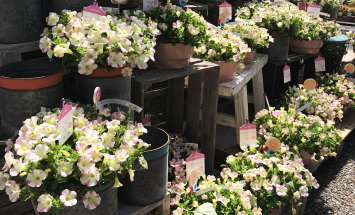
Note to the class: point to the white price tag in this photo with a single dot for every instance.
(149, 4)
(247, 135)
(314, 10)
(287, 74)
(319, 63)
(195, 164)
(65, 123)
(225, 13)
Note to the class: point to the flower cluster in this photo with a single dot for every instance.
(329, 5)
(58, 175)
(276, 181)
(256, 37)
(84, 43)
(351, 35)
(326, 106)
(306, 27)
(178, 26)
(300, 132)
(222, 45)
(339, 86)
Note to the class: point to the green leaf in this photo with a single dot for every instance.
(205, 209)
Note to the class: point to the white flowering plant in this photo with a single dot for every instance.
(222, 45)
(178, 26)
(300, 132)
(277, 181)
(351, 35)
(55, 176)
(327, 106)
(83, 43)
(256, 37)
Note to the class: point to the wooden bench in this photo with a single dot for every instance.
(163, 207)
(237, 90)
(10, 53)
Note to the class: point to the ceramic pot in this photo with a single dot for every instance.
(227, 70)
(249, 57)
(306, 47)
(306, 157)
(169, 56)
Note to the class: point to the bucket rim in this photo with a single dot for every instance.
(164, 145)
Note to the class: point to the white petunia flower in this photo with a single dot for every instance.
(68, 198)
(91, 200)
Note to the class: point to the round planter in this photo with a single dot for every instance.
(20, 21)
(112, 84)
(227, 70)
(149, 186)
(169, 56)
(334, 12)
(306, 47)
(278, 50)
(306, 157)
(57, 6)
(25, 87)
(249, 57)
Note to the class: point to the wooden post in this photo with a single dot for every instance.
(241, 110)
(258, 92)
(137, 97)
(164, 209)
(176, 104)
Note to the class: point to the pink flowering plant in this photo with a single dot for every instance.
(83, 43)
(178, 25)
(55, 175)
(326, 106)
(277, 181)
(299, 131)
(226, 195)
(222, 45)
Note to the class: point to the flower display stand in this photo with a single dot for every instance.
(10, 53)
(163, 207)
(199, 73)
(17, 208)
(237, 90)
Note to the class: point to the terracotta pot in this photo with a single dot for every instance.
(105, 73)
(306, 47)
(169, 56)
(306, 157)
(227, 70)
(249, 57)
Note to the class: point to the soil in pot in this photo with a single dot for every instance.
(306, 47)
(25, 87)
(169, 56)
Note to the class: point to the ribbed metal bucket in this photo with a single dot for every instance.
(59, 5)
(278, 50)
(20, 21)
(149, 186)
(25, 87)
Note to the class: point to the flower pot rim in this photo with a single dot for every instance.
(105, 73)
(30, 83)
(172, 44)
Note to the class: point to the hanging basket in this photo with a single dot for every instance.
(306, 47)
(249, 57)
(227, 70)
(169, 56)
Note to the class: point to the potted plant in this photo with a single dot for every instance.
(351, 35)
(180, 32)
(224, 49)
(277, 181)
(308, 33)
(57, 174)
(101, 50)
(256, 37)
(331, 7)
(303, 134)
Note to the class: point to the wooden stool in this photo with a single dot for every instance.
(237, 90)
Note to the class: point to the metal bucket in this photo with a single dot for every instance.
(25, 87)
(59, 5)
(278, 50)
(149, 186)
(20, 21)
(118, 87)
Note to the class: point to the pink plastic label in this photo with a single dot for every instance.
(94, 9)
(225, 4)
(247, 126)
(195, 156)
(314, 5)
(66, 109)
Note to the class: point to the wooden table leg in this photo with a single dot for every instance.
(164, 209)
(176, 104)
(241, 109)
(258, 92)
(193, 107)
(209, 113)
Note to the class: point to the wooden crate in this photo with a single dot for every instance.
(10, 53)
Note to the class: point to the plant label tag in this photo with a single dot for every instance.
(310, 84)
(287, 74)
(314, 10)
(304, 107)
(225, 13)
(319, 63)
(247, 135)
(149, 4)
(273, 144)
(267, 102)
(349, 69)
(195, 166)
(93, 11)
(65, 123)
(298, 90)
(302, 6)
(351, 79)
(119, 102)
(97, 95)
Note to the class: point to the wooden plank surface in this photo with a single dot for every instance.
(241, 110)
(196, 6)
(258, 92)
(20, 47)
(225, 120)
(176, 105)
(233, 87)
(141, 210)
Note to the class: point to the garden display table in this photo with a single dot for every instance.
(163, 207)
(10, 53)
(237, 90)
(199, 74)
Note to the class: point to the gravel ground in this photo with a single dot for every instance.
(336, 194)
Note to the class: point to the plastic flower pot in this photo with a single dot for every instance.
(25, 87)
(249, 57)
(150, 185)
(278, 50)
(227, 70)
(169, 56)
(112, 84)
(306, 47)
